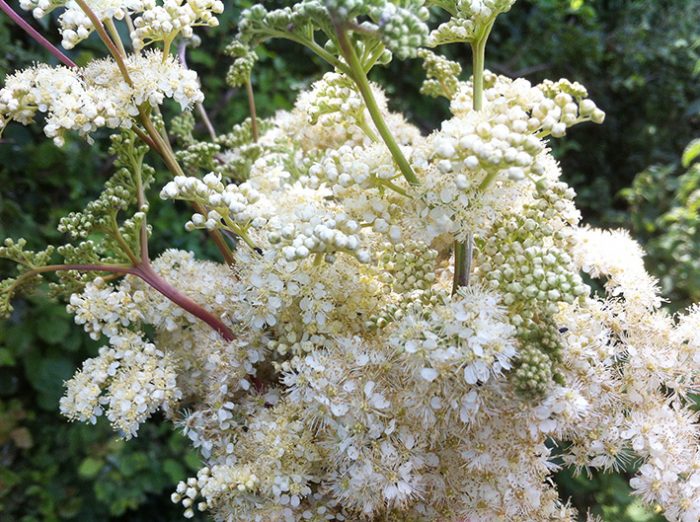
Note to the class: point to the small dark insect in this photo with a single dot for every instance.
(563, 330)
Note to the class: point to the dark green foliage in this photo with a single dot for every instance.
(606, 495)
(665, 200)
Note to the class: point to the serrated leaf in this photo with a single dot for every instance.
(691, 152)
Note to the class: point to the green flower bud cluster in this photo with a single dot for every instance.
(529, 272)
(257, 24)
(99, 219)
(526, 259)
(182, 127)
(239, 150)
(533, 376)
(8, 288)
(128, 150)
(83, 252)
(199, 156)
(470, 19)
(100, 215)
(400, 26)
(442, 75)
(403, 29)
(242, 67)
(418, 303)
(16, 252)
(409, 266)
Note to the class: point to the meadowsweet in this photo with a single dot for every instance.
(336, 366)
(95, 96)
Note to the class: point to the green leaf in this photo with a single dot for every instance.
(53, 328)
(691, 152)
(174, 470)
(47, 374)
(193, 460)
(90, 467)
(6, 357)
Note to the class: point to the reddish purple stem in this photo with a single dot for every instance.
(155, 281)
(145, 272)
(36, 34)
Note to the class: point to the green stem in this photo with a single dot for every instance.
(464, 249)
(372, 57)
(362, 123)
(478, 62)
(117, 235)
(240, 232)
(251, 108)
(311, 44)
(109, 23)
(392, 186)
(168, 156)
(360, 78)
(141, 203)
(113, 50)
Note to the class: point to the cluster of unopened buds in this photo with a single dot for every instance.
(320, 236)
(230, 202)
(158, 23)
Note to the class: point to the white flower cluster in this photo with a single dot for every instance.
(75, 25)
(547, 108)
(469, 333)
(480, 155)
(364, 390)
(357, 383)
(317, 234)
(470, 18)
(127, 381)
(96, 96)
(336, 102)
(163, 23)
(153, 22)
(401, 386)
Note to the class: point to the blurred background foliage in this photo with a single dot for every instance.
(640, 60)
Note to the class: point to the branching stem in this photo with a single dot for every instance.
(145, 272)
(111, 47)
(464, 249)
(140, 268)
(357, 73)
